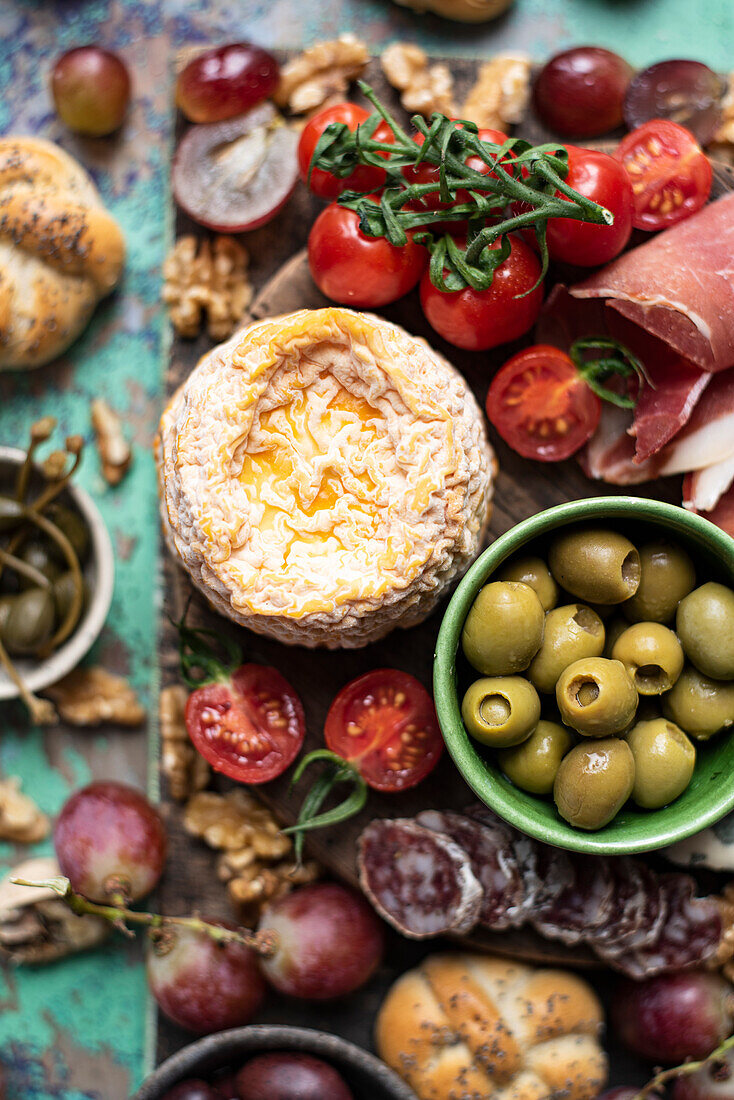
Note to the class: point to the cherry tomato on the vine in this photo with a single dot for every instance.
(541, 406)
(481, 319)
(250, 725)
(429, 173)
(356, 270)
(384, 723)
(669, 172)
(601, 178)
(322, 183)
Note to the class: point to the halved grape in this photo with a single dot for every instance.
(579, 93)
(715, 1081)
(236, 175)
(687, 92)
(226, 81)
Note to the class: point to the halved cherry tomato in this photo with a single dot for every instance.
(327, 186)
(250, 725)
(481, 319)
(669, 171)
(356, 270)
(541, 406)
(384, 723)
(601, 178)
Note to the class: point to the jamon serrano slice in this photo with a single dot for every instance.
(420, 881)
(610, 453)
(723, 514)
(703, 489)
(679, 286)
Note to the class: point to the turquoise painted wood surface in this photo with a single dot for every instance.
(77, 1029)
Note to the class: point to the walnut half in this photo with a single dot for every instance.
(94, 697)
(321, 72)
(500, 96)
(114, 450)
(207, 278)
(185, 769)
(423, 88)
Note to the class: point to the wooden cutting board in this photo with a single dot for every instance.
(280, 270)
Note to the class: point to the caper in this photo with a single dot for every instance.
(41, 556)
(501, 710)
(30, 622)
(63, 590)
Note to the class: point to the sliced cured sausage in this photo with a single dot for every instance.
(581, 906)
(493, 862)
(643, 909)
(419, 880)
(688, 937)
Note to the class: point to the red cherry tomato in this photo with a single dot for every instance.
(249, 726)
(327, 186)
(597, 176)
(669, 172)
(541, 406)
(356, 270)
(481, 319)
(429, 173)
(384, 723)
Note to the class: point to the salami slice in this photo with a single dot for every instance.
(581, 906)
(627, 911)
(689, 936)
(525, 851)
(493, 862)
(649, 910)
(419, 880)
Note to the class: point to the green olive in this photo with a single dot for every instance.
(571, 632)
(593, 782)
(39, 554)
(652, 655)
(666, 576)
(705, 626)
(700, 706)
(74, 527)
(596, 697)
(30, 622)
(501, 710)
(614, 628)
(63, 590)
(535, 572)
(595, 565)
(664, 762)
(503, 629)
(532, 765)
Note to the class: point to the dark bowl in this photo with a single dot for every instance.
(366, 1075)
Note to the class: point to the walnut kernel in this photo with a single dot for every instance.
(423, 88)
(94, 697)
(500, 96)
(207, 277)
(185, 769)
(722, 145)
(21, 821)
(320, 72)
(114, 450)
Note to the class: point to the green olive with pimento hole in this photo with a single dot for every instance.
(667, 574)
(501, 711)
(571, 632)
(702, 707)
(593, 782)
(664, 762)
(533, 764)
(704, 623)
(504, 628)
(595, 565)
(652, 655)
(534, 572)
(596, 697)
(614, 627)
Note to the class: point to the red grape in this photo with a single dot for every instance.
(192, 1090)
(330, 942)
(290, 1077)
(226, 81)
(621, 1092)
(91, 90)
(687, 92)
(674, 1016)
(579, 93)
(202, 985)
(236, 175)
(714, 1082)
(109, 840)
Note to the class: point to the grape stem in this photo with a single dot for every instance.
(263, 943)
(660, 1080)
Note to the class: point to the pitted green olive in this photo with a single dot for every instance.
(666, 576)
(705, 625)
(571, 632)
(535, 572)
(532, 765)
(595, 565)
(699, 705)
(614, 627)
(664, 762)
(596, 697)
(652, 655)
(30, 622)
(503, 629)
(501, 711)
(593, 782)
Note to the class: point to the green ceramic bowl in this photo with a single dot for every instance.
(711, 792)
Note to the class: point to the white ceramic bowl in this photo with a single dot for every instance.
(99, 573)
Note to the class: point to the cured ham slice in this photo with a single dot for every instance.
(703, 489)
(708, 437)
(679, 286)
(610, 453)
(723, 514)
